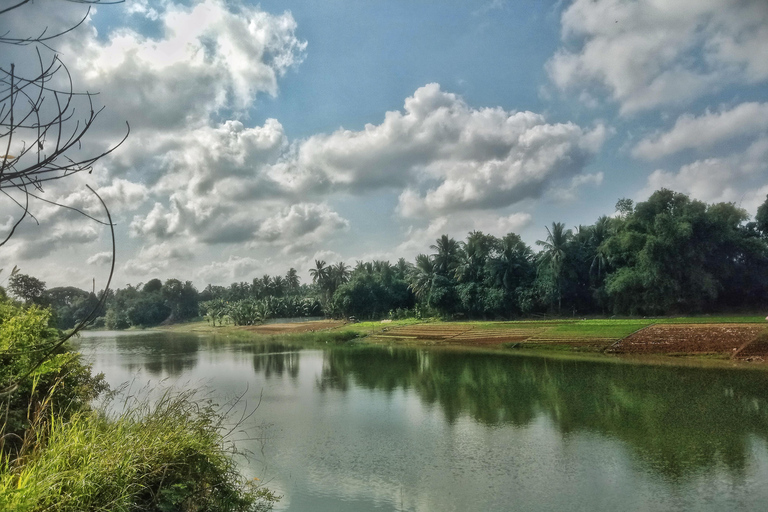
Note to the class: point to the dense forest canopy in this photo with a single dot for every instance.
(670, 254)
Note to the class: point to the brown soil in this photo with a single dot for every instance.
(723, 339)
(319, 325)
(455, 335)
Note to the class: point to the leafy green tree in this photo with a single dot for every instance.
(762, 217)
(181, 298)
(153, 285)
(27, 288)
(674, 254)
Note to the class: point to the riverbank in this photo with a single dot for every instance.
(735, 338)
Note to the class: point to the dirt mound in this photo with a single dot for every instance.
(689, 339)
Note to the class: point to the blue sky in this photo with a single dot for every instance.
(266, 135)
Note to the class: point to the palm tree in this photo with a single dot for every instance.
(447, 256)
(512, 263)
(553, 254)
(337, 275)
(278, 286)
(319, 273)
(474, 255)
(600, 232)
(292, 280)
(266, 285)
(421, 276)
(402, 268)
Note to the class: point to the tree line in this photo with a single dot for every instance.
(668, 255)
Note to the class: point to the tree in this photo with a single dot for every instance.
(27, 288)
(292, 280)
(553, 255)
(447, 257)
(421, 277)
(762, 217)
(319, 273)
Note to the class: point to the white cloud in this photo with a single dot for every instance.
(154, 260)
(742, 121)
(30, 245)
(739, 178)
(100, 258)
(570, 191)
(465, 158)
(233, 268)
(418, 239)
(301, 222)
(647, 53)
(210, 55)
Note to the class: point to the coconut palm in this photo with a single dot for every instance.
(553, 255)
(338, 274)
(421, 276)
(513, 262)
(447, 256)
(319, 273)
(292, 280)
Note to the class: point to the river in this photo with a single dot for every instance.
(376, 429)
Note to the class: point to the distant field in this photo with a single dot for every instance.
(721, 336)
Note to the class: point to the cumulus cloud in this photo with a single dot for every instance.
(300, 222)
(157, 259)
(418, 239)
(702, 132)
(209, 56)
(233, 268)
(100, 258)
(465, 158)
(62, 236)
(647, 53)
(738, 178)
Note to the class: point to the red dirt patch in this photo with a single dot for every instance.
(320, 325)
(689, 339)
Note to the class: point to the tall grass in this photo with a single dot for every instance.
(167, 456)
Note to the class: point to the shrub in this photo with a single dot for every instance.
(167, 457)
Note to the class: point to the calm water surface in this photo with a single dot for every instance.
(370, 429)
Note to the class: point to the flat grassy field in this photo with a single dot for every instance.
(711, 336)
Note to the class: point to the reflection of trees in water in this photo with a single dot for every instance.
(171, 355)
(275, 359)
(678, 420)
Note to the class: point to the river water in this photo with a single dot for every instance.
(376, 429)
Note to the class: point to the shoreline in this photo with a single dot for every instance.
(731, 341)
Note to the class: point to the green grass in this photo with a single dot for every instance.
(167, 457)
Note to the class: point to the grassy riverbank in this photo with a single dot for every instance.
(721, 337)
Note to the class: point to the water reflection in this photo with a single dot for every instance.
(678, 421)
(275, 359)
(160, 355)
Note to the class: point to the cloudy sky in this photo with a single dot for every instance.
(266, 135)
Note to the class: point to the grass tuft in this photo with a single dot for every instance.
(167, 456)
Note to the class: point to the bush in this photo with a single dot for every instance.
(58, 454)
(168, 457)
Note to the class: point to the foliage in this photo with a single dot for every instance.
(27, 288)
(166, 457)
(62, 384)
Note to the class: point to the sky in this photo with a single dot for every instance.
(264, 136)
